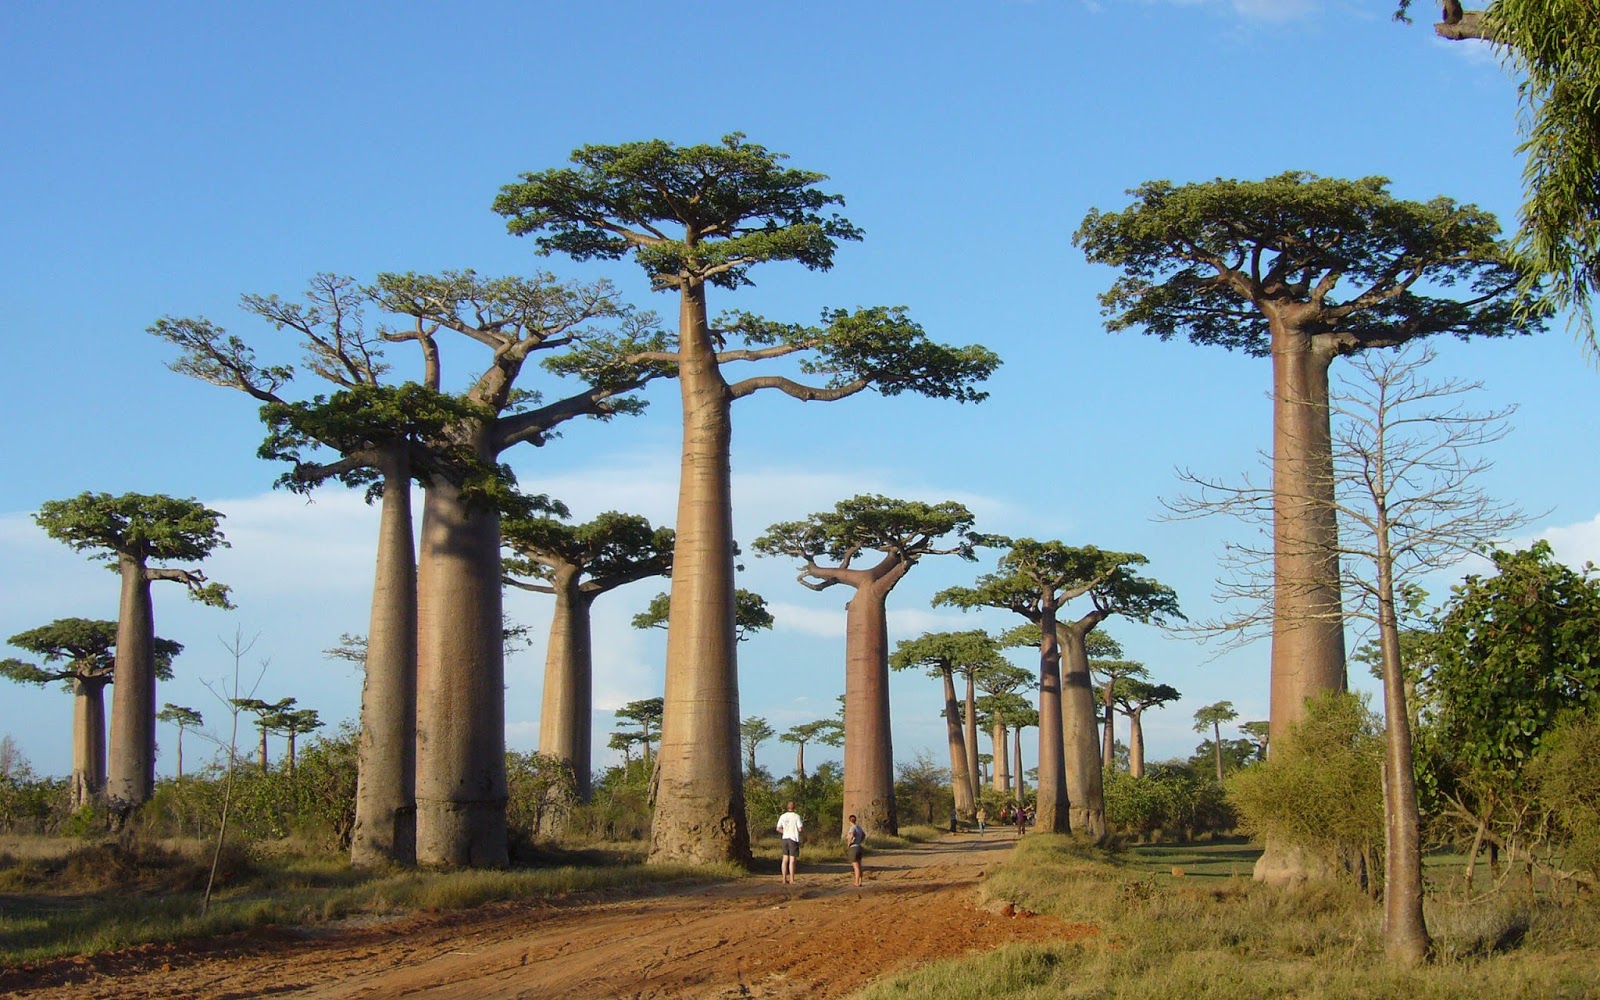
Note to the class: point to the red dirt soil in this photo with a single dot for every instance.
(751, 938)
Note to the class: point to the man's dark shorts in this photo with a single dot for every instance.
(791, 848)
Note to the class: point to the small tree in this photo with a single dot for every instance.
(267, 714)
(1133, 697)
(943, 654)
(829, 732)
(646, 714)
(753, 732)
(183, 718)
(1000, 685)
(1212, 717)
(291, 723)
(750, 613)
(129, 532)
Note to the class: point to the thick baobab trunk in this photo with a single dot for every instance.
(461, 717)
(385, 830)
(89, 740)
(1002, 765)
(1308, 654)
(1136, 743)
(1405, 929)
(1080, 735)
(700, 815)
(132, 759)
(566, 712)
(961, 782)
(868, 745)
(1052, 811)
(974, 769)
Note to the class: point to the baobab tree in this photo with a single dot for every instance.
(81, 653)
(184, 718)
(1132, 697)
(578, 329)
(577, 563)
(291, 723)
(749, 617)
(888, 537)
(943, 654)
(1038, 580)
(1303, 269)
(267, 714)
(644, 713)
(1212, 717)
(753, 732)
(130, 532)
(695, 216)
(829, 732)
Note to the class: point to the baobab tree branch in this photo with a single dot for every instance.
(798, 390)
(775, 351)
(537, 588)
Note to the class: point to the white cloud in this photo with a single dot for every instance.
(1575, 544)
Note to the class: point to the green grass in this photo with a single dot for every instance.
(101, 898)
(1213, 933)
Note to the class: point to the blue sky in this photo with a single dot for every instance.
(162, 159)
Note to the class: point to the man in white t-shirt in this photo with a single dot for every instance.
(789, 827)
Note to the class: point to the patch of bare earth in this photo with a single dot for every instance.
(753, 938)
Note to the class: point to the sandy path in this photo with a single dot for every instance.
(752, 938)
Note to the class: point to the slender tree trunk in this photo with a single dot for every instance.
(88, 740)
(868, 741)
(1016, 739)
(132, 758)
(291, 737)
(261, 754)
(700, 816)
(1136, 743)
(566, 712)
(1080, 733)
(1052, 812)
(1308, 655)
(180, 753)
(1108, 729)
(1002, 764)
(1216, 745)
(385, 830)
(1405, 929)
(461, 764)
(974, 769)
(960, 777)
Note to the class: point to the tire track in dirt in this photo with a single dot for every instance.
(752, 938)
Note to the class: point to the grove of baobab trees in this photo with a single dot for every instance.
(695, 216)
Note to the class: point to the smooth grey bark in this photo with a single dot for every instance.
(971, 721)
(1080, 732)
(89, 740)
(1053, 809)
(961, 783)
(700, 815)
(131, 765)
(868, 739)
(566, 710)
(385, 830)
(1136, 743)
(999, 751)
(461, 769)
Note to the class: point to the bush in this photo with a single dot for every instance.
(1567, 784)
(1180, 801)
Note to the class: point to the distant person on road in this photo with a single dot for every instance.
(854, 838)
(952, 819)
(1022, 821)
(789, 827)
(983, 814)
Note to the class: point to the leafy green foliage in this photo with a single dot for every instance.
(1170, 801)
(1030, 568)
(541, 790)
(903, 530)
(86, 648)
(1567, 783)
(939, 652)
(750, 613)
(140, 527)
(740, 204)
(1321, 789)
(612, 550)
(1196, 259)
(1514, 650)
(753, 732)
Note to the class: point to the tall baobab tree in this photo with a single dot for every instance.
(1109, 673)
(829, 732)
(872, 542)
(81, 653)
(1212, 717)
(130, 532)
(183, 718)
(452, 448)
(754, 731)
(1303, 269)
(577, 563)
(944, 654)
(693, 216)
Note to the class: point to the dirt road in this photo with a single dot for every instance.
(752, 938)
